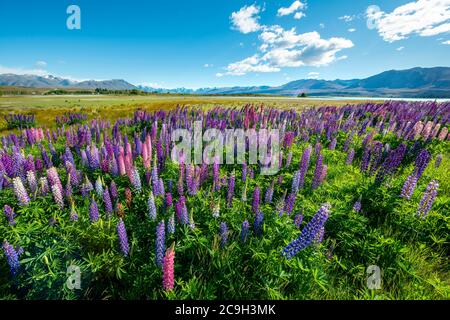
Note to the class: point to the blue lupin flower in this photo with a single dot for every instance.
(309, 232)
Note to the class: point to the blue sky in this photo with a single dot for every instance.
(201, 43)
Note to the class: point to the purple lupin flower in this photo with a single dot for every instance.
(304, 163)
(113, 189)
(428, 198)
(409, 186)
(375, 156)
(298, 219)
(269, 193)
(21, 193)
(108, 204)
(317, 172)
(171, 224)
(289, 205)
(160, 244)
(9, 213)
(255, 203)
(422, 161)
(181, 211)
(244, 172)
(151, 206)
(12, 257)
(57, 196)
(350, 156)
(244, 230)
(123, 238)
(169, 200)
(391, 163)
(230, 194)
(93, 211)
(223, 234)
(309, 232)
(259, 222)
(365, 159)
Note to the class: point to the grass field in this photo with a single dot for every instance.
(46, 108)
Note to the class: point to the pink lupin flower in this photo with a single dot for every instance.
(121, 164)
(168, 270)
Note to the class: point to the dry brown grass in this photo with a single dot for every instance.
(46, 108)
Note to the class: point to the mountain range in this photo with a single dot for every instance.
(410, 83)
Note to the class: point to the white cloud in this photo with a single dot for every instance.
(295, 6)
(422, 17)
(322, 25)
(446, 42)
(351, 30)
(246, 19)
(285, 48)
(313, 75)
(41, 64)
(299, 15)
(400, 48)
(22, 71)
(208, 65)
(347, 18)
(250, 64)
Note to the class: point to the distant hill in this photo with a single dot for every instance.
(411, 83)
(34, 81)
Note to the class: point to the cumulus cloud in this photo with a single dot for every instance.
(423, 17)
(351, 30)
(299, 15)
(446, 42)
(208, 65)
(22, 71)
(286, 48)
(280, 48)
(246, 19)
(250, 64)
(295, 6)
(400, 48)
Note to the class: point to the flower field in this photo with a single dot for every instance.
(98, 209)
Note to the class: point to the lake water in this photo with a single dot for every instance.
(376, 99)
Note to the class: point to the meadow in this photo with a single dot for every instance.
(95, 208)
